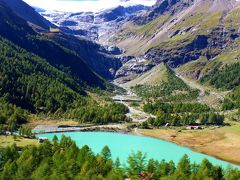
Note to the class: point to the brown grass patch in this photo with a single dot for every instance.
(223, 143)
(35, 122)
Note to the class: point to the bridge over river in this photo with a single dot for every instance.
(122, 98)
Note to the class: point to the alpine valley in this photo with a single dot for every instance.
(170, 71)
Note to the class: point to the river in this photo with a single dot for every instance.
(135, 113)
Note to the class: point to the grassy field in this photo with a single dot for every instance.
(221, 142)
(20, 141)
(38, 121)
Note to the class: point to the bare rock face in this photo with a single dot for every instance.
(173, 57)
(175, 6)
(161, 7)
(134, 66)
(103, 60)
(209, 46)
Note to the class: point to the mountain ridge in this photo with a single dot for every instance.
(19, 32)
(175, 32)
(28, 13)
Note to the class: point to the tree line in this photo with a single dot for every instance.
(111, 113)
(183, 119)
(64, 160)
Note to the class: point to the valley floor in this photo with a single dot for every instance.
(220, 142)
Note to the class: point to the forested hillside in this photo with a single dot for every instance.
(29, 82)
(232, 101)
(38, 76)
(17, 30)
(168, 87)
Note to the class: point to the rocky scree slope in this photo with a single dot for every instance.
(180, 31)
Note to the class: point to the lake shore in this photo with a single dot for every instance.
(222, 143)
(43, 129)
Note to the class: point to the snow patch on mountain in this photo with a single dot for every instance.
(96, 26)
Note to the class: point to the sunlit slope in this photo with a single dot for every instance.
(183, 32)
(153, 77)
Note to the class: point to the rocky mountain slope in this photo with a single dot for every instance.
(132, 40)
(172, 31)
(105, 60)
(94, 26)
(103, 57)
(180, 31)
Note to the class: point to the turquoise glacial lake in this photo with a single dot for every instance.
(122, 145)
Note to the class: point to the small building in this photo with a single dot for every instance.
(194, 127)
(42, 139)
